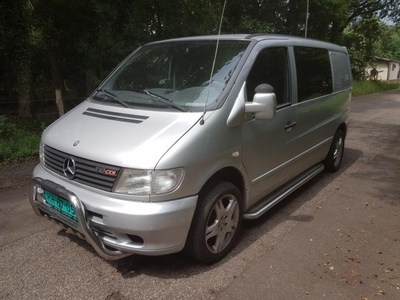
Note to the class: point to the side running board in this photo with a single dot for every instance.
(275, 197)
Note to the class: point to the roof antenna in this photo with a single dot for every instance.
(213, 65)
(307, 16)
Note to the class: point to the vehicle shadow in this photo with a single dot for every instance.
(286, 210)
(181, 265)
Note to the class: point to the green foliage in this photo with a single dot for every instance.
(15, 20)
(255, 26)
(327, 19)
(369, 38)
(362, 40)
(389, 46)
(366, 87)
(6, 130)
(17, 143)
(73, 44)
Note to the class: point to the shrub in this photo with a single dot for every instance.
(17, 143)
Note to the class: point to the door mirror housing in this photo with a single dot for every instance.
(264, 103)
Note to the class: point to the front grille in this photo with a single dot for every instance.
(87, 172)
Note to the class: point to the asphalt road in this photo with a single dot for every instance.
(338, 237)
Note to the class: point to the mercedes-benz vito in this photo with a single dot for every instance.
(187, 137)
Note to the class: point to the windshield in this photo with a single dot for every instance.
(174, 75)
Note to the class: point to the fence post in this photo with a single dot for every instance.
(59, 102)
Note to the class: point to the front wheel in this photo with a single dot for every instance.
(216, 223)
(335, 155)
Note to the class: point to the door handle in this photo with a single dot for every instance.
(289, 125)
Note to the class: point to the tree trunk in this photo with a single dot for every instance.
(60, 103)
(56, 76)
(23, 88)
(91, 81)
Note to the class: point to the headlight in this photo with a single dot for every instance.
(146, 182)
(41, 153)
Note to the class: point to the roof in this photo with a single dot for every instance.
(261, 37)
(387, 59)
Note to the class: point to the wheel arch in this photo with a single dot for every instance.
(343, 127)
(229, 174)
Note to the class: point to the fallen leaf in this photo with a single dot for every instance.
(380, 293)
(389, 270)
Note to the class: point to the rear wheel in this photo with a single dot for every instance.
(216, 223)
(335, 155)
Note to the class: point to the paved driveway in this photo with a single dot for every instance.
(336, 238)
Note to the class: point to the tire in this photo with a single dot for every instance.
(216, 223)
(335, 155)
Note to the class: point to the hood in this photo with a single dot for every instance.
(131, 138)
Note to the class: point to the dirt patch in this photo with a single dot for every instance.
(16, 175)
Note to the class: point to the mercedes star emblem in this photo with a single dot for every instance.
(69, 168)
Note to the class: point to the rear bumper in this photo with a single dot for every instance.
(114, 227)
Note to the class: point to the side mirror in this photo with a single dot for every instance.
(264, 103)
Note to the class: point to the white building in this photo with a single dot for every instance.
(383, 69)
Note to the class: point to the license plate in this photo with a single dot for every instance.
(61, 205)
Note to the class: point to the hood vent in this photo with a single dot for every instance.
(110, 115)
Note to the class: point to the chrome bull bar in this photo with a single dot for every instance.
(81, 228)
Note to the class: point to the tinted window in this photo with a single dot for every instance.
(341, 71)
(271, 66)
(314, 75)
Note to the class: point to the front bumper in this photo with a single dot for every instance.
(116, 228)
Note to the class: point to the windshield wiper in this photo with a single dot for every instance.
(113, 97)
(165, 100)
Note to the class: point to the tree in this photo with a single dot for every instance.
(72, 44)
(389, 45)
(15, 46)
(84, 40)
(363, 40)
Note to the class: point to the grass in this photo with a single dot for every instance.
(20, 138)
(361, 88)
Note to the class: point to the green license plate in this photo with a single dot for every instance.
(61, 205)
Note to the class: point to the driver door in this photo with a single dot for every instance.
(268, 145)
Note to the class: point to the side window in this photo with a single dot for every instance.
(341, 71)
(271, 66)
(314, 75)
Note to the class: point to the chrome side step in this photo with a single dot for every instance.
(275, 197)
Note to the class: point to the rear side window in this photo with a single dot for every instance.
(314, 74)
(341, 71)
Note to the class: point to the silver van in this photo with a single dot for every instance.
(187, 137)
